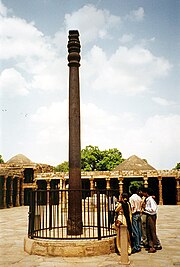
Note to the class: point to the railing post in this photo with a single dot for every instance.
(98, 215)
(124, 245)
(31, 214)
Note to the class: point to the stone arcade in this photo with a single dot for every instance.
(19, 176)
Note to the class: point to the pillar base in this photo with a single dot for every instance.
(69, 248)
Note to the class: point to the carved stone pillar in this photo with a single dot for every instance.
(18, 192)
(11, 193)
(177, 191)
(160, 190)
(145, 178)
(108, 184)
(74, 226)
(60, 184)
(91, 183)
(22, 192)
(120, 185)
(92, 186)
(63, 197)
(4, 192)
(48, 187)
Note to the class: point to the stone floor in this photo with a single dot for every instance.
(13, 229)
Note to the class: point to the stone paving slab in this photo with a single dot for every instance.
(13, 229)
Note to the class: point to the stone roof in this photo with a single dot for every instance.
(19, 159)
(134, 163)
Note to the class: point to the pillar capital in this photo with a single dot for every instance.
(74, 49)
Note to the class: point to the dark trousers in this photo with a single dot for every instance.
(151, 230)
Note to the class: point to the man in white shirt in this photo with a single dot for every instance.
(136, 206)
(151, 211)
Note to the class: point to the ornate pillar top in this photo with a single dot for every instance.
(74, 49)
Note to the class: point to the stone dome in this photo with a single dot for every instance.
(19, 159)
(134, 163)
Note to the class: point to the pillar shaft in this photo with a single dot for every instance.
(108, 183)
(160, 190)
(177, 192)
(18, 193)
(75, 184)
(120, 185)
(11, 193)
(4, 192)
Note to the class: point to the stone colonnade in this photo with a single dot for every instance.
(12, 193)
(93, 177)
(12, 185)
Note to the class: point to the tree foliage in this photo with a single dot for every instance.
(1, 159)
(93, 159)
(63, 167)
(177, 166)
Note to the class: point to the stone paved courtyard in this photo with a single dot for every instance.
(13, 229)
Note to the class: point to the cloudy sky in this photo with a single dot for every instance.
(129, 78)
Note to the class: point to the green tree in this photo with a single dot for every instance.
(92, 158)
(138, 184)
(63, 167)
(177, 166)
(110, 159)
(1, 159)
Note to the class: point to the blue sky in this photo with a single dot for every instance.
(129, 78)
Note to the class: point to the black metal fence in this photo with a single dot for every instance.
(48, 214)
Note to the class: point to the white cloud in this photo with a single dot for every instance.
(157, 139)
(3, 9)
(136, 15)
(22, 39)
(91, 22)
(13, 83)
(129, 70)
(24, 47)
(162, 101)
(51, 76)
(126, 38)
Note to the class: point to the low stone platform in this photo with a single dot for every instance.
(72, 248)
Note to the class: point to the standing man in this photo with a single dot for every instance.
(136, 206)
(151, 211)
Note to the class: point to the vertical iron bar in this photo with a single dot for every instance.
(98, 215)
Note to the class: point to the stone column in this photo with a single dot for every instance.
(74, 225)
(145, 178)
(108, 183)
(120, 185)
(91, 183)
(92, 187)
(11, 193)
(124, 245)
(177, 191)
(18, 192)
(4, 192)
(160, 190)
(22, 192)
(63, 196)
(48, 187)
